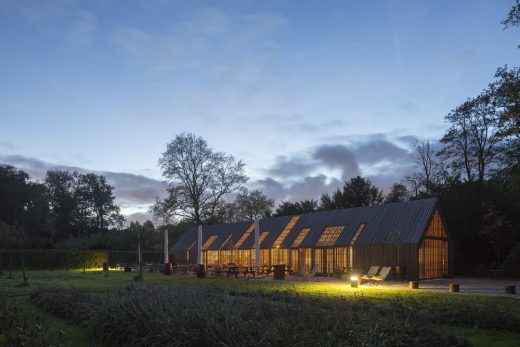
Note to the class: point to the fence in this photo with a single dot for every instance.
(43, 259)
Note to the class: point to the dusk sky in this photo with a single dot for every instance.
(306, 93)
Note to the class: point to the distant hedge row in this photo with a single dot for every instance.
(65, 259)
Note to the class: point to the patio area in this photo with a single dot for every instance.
(468, 285)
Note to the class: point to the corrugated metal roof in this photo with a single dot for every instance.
(389, 223)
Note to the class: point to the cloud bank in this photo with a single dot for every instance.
(323, 168)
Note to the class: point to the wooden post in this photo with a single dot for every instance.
(413, 285)
(511, 289)
(454, 288)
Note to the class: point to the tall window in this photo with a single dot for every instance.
(279, 256)
(209, 242)
(298, 240)
(330, 260)
(306, 256)
(330, 235)
(318, 260)
(244, 257)
(285, 231)
(433, 253)
(294, 260)
(211, 257)
(341, 258)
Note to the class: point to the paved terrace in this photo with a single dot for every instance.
(468, 285)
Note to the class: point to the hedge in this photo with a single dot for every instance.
(43, 259)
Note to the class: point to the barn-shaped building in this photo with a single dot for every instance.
(409, 236)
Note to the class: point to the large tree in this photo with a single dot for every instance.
(14, 194)
(249, 205)
(61, 186)
(398, 193)
(96, 205)
(24, 208)
(198, 178)
(359, 191)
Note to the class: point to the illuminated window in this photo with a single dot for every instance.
(211, 257)
(330, 235)
(341, 258)
(245, 235)
(294, 260)
(436, 228)
(297, 242)
(433, 253)
(209, 242)
(285, 231)
(359, 230)
(262, 237)
(244, 257)
(279, 256)
(318, 260)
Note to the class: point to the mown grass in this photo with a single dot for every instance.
(454, 304)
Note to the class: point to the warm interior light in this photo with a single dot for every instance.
(354, 278)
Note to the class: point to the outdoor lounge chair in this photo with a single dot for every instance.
(372, 272)
(383, 275)
(312, 274)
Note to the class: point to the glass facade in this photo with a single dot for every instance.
(433, 253)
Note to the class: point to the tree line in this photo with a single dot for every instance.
(43, 214)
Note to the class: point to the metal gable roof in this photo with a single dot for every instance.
(381, 222)
(388, 223)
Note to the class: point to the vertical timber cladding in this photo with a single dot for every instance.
(434, 250)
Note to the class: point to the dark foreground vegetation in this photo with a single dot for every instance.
(212, 316)
(86, 309)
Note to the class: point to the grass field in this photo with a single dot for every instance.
(458, 314)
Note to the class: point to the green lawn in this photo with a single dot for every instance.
(99, 282)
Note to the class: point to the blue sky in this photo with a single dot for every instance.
(306, 93)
